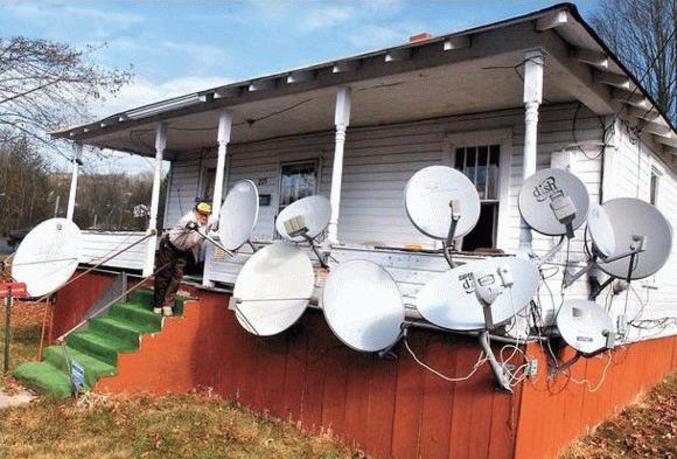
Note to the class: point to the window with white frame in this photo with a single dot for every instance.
(207, 188)
(297, 180)
(480, 163)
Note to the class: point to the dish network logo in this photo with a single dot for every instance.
(468, 282)
(546, 189)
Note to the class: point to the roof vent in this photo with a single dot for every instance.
(420, 37)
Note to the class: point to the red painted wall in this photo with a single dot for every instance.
(73, 301)
(554, 413)
(390, 408)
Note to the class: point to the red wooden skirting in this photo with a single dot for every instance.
(73, 301)
(551, 415)
(390, 408)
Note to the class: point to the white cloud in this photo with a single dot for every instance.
(142, 92)
(377, 36)
(57, 14)
(330, 16)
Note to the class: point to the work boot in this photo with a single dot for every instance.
(167, 311)
(157, 310)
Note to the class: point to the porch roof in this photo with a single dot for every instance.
(464, 72)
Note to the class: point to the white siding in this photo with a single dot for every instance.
(184, 184)
(629, 175)
(379, 161)
(99, 245)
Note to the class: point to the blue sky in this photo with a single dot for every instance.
(182, 46)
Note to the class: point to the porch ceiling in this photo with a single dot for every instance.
(465, 87)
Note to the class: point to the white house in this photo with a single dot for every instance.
(497, 102)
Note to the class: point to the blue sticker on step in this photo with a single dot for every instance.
(77, 375)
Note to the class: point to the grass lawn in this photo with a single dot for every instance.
(192, 425)
(25, 338)
(197, 425)
(646, 429)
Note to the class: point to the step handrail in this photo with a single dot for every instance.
(62, 339)
(106, 306)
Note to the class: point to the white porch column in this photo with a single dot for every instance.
(77, 157)
(223, 138)
(341, 120)
(160, 144)
(533, 95)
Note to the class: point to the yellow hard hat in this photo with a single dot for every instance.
(204, 208)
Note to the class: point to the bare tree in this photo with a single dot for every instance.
(46, 85)
(642, 34)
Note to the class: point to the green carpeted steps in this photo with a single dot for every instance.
(44, 378)
(94, 368)
(102, 347)
(136, 313)
(96, 348)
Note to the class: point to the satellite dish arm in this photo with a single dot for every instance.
(193, 227)
(319, 256)
(455, 207)
(632, 253)
(252, 246)
(501, 377)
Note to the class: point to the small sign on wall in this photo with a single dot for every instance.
(218, 254)
(264, 200)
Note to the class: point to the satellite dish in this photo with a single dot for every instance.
(450, 300)
(632, 218)
(311, 214)
(429, 195)
(584, 325)
(547, 190)
(48, 256)
(601, 230)
(363, 305)
(273, 289)
(239, 214)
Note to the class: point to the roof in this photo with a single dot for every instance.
(564, 19)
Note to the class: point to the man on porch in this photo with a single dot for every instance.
(176, 248)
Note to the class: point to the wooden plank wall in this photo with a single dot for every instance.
(305, 375)
(555, 412)
(74, 300)
(389, 408)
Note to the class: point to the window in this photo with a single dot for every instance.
(653, 187)
(208, 179)
(480, 164)
(297, 180)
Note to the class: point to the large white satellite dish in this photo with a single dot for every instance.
(239, 214)
(48, 256)
(363, 305)
(631, 219)
(450, 300)
(584, 325)
(547, 190)
(601, 230)
(312, 213)
(273, 289)
(428, 198)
